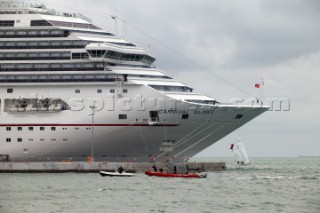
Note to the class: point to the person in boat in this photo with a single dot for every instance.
(154, 168)
(161, 170)
(120, 169)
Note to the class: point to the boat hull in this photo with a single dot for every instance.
(115, 174)
(167, 175)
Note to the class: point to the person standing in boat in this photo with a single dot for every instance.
(120, 169)
(155, 169)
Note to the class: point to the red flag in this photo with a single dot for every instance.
(231, 147)
(257, 85)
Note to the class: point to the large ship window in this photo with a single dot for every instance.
(154, 115)
(122, 116)
(185, 116)
(80, 55)
(7, 23)
(239, 116)
(129, 57)
(96, 53)
(34, 23)
(171, 88)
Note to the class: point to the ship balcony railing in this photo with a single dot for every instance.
(55, 80)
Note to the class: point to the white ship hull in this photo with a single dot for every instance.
(135, 138)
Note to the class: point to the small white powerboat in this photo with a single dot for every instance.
(116, 174)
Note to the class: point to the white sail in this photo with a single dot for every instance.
(240, 152)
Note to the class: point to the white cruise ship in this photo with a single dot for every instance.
(70, 90)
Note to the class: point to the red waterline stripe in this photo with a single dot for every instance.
(88, 125)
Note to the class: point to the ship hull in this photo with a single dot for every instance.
(77, 134)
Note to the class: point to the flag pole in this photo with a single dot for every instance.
(262, 85)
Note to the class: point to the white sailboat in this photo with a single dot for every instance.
(240, 152)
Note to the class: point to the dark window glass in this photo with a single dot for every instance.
(53, 128)
(8, 128)
(30, 128)
(9, 90)
(8, 140)
(239, 116)
(39, 23)
(185, 116)
(19, 139)
(42, 128)
(122, 116)
(6, 23)
(19, 128)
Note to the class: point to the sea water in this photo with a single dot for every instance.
(266, 185)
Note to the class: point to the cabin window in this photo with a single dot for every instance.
(154, 115)
(42, 128)
(112, 90)
(30, 128)
(19, 140)
(239, 116)
(8, 128)
(9, 90)
(185, 116)
(125, 91)
(122, 116)
(99, 91)
(77, 91)
(8, 140)
(19, 128)
(53, 128)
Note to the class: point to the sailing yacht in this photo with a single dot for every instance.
(240, 153)
(71, 90)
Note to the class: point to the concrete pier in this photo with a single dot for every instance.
(60, 167)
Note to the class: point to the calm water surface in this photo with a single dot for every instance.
(266, 185)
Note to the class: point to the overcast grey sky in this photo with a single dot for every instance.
(242, 42)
